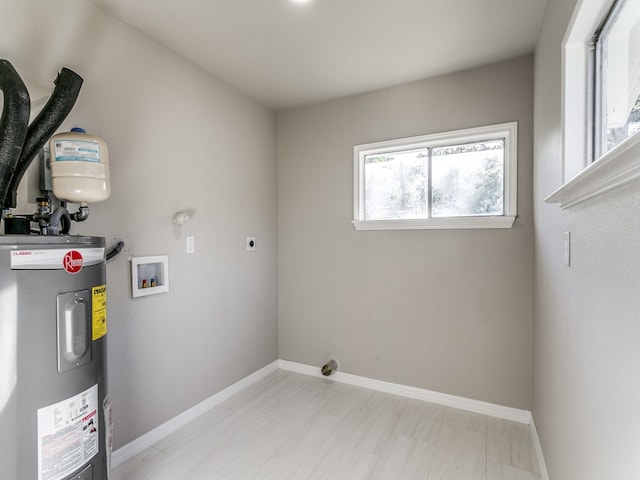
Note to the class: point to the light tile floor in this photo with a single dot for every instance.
(296, 427)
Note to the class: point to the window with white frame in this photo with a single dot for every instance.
(616, 72)
(459, 179)
(600, 104)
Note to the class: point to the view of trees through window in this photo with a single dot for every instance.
(632, 125)
(617, 76)
(446, 181)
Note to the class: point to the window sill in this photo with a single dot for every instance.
(450, 223)
(617, 167)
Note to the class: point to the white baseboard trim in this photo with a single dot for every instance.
(476, 406)
(145, 441)
(538, 448)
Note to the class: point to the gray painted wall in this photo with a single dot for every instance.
(178, 139)
(444, 310)
(587, 316)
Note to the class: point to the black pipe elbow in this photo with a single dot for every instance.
(115, 250)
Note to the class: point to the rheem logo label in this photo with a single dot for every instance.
(73, 261)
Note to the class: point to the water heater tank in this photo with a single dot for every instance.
(79, 167)
(54, 407)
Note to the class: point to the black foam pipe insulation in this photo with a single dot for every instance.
(62, 100)
(13, 123)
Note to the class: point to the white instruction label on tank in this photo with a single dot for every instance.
(67, 435)
(76, 151)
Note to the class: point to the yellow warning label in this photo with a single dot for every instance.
(99, 314)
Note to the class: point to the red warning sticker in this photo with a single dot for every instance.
(72, 261)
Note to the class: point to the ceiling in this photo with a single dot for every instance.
(284, 53)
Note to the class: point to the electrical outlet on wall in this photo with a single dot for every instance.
(567, 249)
(251, 244)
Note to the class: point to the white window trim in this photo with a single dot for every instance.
(583, 181)
(509, 131)
(617, 167)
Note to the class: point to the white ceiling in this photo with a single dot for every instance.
(284, 53)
